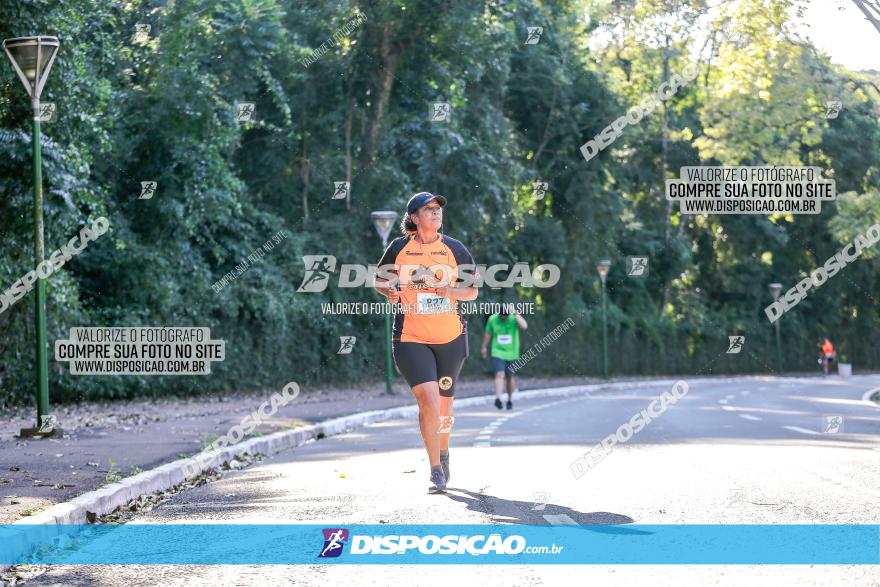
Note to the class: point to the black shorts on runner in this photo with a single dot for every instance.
(420, 363)
(501, 365)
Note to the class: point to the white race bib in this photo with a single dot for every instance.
(505, 338)
(431, 303)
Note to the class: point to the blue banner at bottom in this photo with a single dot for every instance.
(251, 544)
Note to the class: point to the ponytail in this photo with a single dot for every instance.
(407, 226)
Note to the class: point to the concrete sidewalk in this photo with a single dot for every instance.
(105, 442)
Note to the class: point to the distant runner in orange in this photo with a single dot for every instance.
(826, 355)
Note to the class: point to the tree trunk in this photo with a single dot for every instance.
(389, 54)
(304, 174)
(664, 151)
(348, 119)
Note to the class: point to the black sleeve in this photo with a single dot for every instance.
(462, 254)
(390, 254)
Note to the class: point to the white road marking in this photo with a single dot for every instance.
(728, 408)
(722, 401)
(749, 417)
(482, 444)
(560, 519)
(746, 392)
(799, 429)
(484, 437)
(729, 396)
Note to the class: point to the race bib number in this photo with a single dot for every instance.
(431, 303)
(505, 338)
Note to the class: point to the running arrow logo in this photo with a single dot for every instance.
(318, 270)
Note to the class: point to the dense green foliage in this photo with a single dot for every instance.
(163, 108)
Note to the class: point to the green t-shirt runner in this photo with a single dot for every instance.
(505, 337)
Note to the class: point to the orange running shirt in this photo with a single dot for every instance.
(424, 316)
(827, 348)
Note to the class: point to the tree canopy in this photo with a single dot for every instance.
(343, 92)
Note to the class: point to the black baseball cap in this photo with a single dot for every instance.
(422, 198)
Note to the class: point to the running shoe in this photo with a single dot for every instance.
(498, 403)
(509, 405)
(438, 481)
(444, 463)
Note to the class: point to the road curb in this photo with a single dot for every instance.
(872, 396)
(84, 508)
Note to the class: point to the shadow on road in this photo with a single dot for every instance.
(511, 511)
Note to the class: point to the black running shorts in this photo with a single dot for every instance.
(420, 363)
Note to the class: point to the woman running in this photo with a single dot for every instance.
(430, 334)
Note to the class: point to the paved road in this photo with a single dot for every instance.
(747, 450)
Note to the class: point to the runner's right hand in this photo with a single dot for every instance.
(393, 294)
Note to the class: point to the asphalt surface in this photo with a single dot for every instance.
(740, 451)
(106, 440)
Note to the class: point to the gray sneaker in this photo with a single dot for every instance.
(444, 463)
(438, 480)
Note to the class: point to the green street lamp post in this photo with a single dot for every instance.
(383, 221)
(775, 289)
(602, 267)
(32, 58)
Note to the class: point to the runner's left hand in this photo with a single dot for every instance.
(443, 291)
(441, 287)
